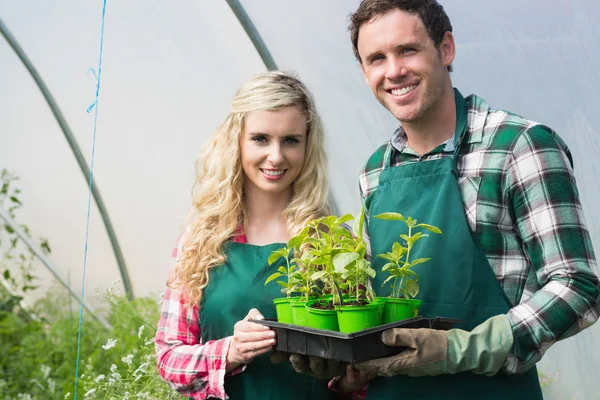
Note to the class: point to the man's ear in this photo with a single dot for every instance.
(447, 49)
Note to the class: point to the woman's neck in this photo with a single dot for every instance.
(264, 211)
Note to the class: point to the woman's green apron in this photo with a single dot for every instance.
(234, 288)
(457, 282)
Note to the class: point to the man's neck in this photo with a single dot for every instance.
(433, 128)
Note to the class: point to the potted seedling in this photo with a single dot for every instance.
(405, 282)
(360, 311)
(283, 305)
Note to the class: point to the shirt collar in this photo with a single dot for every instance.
(399, 139)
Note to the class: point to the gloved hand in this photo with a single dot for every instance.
(316, 367)
(431, 352)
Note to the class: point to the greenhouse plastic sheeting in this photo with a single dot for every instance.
(170, 71)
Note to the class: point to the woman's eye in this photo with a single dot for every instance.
(259, 139)
(291, 141)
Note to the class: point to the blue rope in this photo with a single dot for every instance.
(94, 105)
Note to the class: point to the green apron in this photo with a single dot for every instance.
(234, 288)
(457, 282)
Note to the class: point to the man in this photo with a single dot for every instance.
(515, 261)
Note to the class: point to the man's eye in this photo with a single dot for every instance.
(407, 50)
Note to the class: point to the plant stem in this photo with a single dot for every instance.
(287, 261)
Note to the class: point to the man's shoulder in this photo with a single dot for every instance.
(498, 127)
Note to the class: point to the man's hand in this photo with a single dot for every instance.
(317, 367)
(423, 347)
(249, 341)
(431, 352)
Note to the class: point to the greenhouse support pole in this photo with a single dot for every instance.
(78, 155)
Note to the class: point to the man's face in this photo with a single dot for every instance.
(401, 64)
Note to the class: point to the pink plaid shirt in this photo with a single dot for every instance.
(189, 366)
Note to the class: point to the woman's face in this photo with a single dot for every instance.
(272, 149)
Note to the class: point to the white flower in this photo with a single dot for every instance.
(67, 395)
(139, 372)
(45, 370)
(149, 342)
(99, 378)
(89, 392)
(110, 343)
(51, 385)
(113, 368)
(127, 360)
(140, 331)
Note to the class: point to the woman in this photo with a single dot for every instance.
(259, 180)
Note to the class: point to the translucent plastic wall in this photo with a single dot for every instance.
(170, 70)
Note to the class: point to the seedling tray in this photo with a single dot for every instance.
(349, 347)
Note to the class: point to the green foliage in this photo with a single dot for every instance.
(39, 344)
(39, 357)
(330, 255)
(399, 265)
(17, 259)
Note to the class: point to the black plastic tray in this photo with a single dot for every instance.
(349, 347)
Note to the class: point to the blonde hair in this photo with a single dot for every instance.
(218, 195)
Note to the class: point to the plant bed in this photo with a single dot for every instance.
(347, 347)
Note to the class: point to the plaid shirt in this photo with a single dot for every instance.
(522, 204)
(191, 367)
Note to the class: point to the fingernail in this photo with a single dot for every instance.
(259, 317)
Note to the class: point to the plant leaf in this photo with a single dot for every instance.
(295, 242)
(391, 216)
(431, 228)
(273, 276)
(389, 266)
(370, 272)
(341, 260)
(388, 279)
(419, 261)
(345, 218)
(283, 284)
(282, 270)
(318, 275)
(276, 255)
(411, 287)
(386, 256)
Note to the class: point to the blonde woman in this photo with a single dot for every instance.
(259, 180)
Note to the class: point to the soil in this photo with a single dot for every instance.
(323, 306)
(329, 304)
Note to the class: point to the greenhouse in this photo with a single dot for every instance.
(168, 75)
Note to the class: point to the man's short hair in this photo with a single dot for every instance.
(432, 14)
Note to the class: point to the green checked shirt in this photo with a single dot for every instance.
(522, 205)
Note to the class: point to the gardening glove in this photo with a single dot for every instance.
(431, 352)
(279, 357)
(317, 367)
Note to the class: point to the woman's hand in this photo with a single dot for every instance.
(250, 340)
(354, 380)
